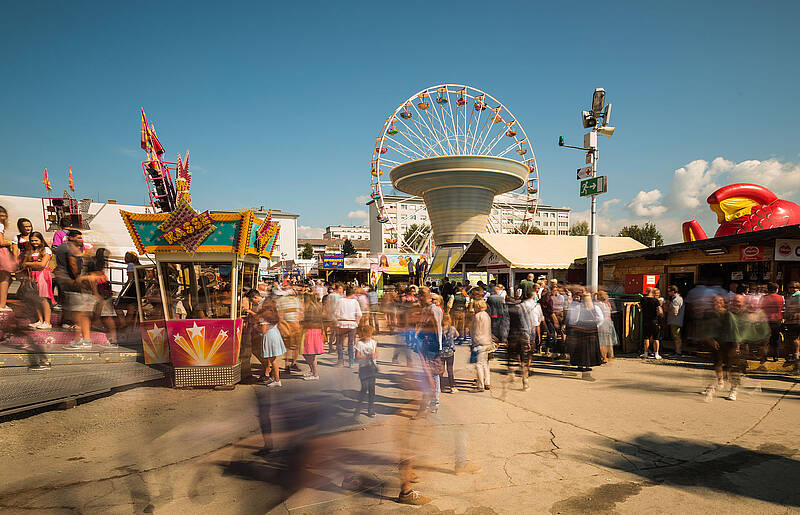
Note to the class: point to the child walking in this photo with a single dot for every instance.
(449, 336)
(367, 351)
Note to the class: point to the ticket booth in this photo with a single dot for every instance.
(189, 299)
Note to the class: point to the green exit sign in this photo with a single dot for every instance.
(593, 186)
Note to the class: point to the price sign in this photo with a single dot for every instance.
(593, 186)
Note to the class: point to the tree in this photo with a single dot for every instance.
(347, 248)
(416, 235)
(579, 229)
(644, 234)
(307, 252)
(523, 229)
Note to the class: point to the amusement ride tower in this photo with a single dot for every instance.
(457, 148)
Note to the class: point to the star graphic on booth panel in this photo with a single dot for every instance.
(155, 333)
(222, 333)
(195, 331)
(216, 239)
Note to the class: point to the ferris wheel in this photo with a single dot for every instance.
(452, 120)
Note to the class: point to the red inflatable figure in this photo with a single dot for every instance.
(742, 208)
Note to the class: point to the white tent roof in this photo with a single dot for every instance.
(535, 251)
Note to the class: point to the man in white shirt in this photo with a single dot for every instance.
(534, 311)
(348, 315)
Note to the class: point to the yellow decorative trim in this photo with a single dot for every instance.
(244, 232)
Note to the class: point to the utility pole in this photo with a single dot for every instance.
(592, 185)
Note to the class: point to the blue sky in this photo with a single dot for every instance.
(279, 103)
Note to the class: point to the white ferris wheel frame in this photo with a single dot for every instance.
(462, 140)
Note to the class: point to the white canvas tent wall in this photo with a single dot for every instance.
(106, 228)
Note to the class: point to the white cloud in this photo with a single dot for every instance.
(304, 231)
(646, 203)
(359, 214)
(686, 200)
(782, 178)
(362, 199)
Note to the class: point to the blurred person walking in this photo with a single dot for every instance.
(35, 263)
(367, 352)
(290, 312)
(449, 337)
(80, 302)
(374, 308)
(583, 320)
(457, 307)
(519, 337)
(723, 332)
(606, 332)
(772, 305)
(329, 305)
(348, 316)
(498, 313)
(534, 310)
(792, 317)
(481, 345)
(313, 344)
(272, 345)
(103, 293)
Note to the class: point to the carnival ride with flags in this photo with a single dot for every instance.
(189, 300)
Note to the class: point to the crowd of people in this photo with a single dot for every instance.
(61, 275)
(430, 324)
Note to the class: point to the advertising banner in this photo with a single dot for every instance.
(396, 264)
(332, 261)
(787, 250)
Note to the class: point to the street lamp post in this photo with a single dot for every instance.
(597, 119)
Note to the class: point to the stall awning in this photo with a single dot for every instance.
(445, 260)
(538, 251)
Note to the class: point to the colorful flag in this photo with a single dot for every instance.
(157, 148)
(46, 179)
(71, 180)
(145, 133)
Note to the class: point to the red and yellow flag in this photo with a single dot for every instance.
(157, 148)
(145, 132)
(46, 179)
(71, 180)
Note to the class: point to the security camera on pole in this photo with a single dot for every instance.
(592, 185)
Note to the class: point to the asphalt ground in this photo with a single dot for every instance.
(641, 438)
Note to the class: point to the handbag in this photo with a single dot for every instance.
(27, 288)
(473, 356)
(437, 366)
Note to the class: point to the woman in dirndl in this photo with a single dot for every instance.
(583, 320)
(312, 337)
(271, 342)
(35, 261)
